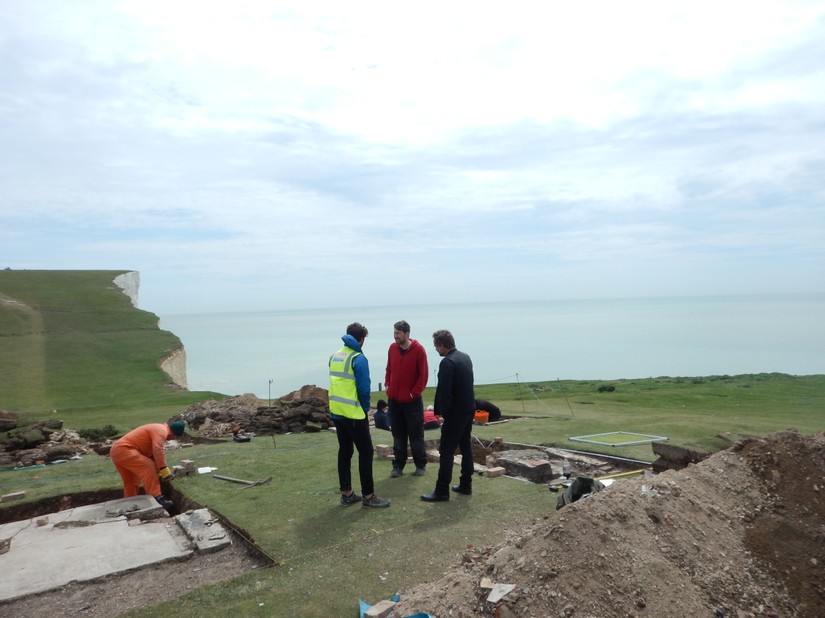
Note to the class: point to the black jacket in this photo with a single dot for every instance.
(454, 395)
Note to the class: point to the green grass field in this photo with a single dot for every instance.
(74, 348)
(73, 343)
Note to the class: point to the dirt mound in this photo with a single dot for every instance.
(740, 534)
(306, 409)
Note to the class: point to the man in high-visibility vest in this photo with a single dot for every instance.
(349, 405)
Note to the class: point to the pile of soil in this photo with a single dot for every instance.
(740, 534)
(306, 409)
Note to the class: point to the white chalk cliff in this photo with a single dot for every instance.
(174, 363)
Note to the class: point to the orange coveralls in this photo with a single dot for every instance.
(138, 456)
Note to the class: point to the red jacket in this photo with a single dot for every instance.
(430, 416)
(407, 372)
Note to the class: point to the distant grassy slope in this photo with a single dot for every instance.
(72, 341)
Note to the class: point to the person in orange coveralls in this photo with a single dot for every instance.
(140, 460)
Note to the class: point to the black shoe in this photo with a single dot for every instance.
(467, 491)
(434, 497)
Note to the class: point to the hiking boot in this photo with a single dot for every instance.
(374, 502)
(460, 489)
(396, 472)
(419, 471)
(350, 499)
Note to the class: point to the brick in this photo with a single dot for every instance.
(181, 471)
(17, 495)
(382, 609)
(497, 471)
(383, 451)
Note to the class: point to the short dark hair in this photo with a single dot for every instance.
(381, 404)
(444, 338)
(358, 331)
(402, 326)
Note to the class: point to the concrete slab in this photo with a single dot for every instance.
(143, 508)
(86, 543)
(205, 530)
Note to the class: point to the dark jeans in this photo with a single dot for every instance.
(455, 433)
(407, 421)
(351, 435)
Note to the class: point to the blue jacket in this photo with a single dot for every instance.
(361, 368)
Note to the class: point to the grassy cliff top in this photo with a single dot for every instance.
(74, 345)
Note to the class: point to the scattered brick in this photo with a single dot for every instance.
(382, 609)
(383, 451)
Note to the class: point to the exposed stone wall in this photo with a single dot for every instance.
(672, 457)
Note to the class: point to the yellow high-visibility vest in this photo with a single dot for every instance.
(343, 394)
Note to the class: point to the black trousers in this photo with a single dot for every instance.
(408, 424)
(354, 434)
(455, 434)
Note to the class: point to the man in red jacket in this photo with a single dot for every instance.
(405, 381)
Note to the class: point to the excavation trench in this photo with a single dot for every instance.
(118, 592)
(540, 464)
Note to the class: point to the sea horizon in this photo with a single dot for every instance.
(272, 352)
(575, 299)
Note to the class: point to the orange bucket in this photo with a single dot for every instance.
(481, 416)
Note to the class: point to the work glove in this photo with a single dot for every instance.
(166, 503)
(165, 474)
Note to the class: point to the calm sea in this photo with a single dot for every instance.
(275, 352)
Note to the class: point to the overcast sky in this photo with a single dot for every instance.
(266, 155)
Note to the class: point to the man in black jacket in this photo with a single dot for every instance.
(455, 402)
